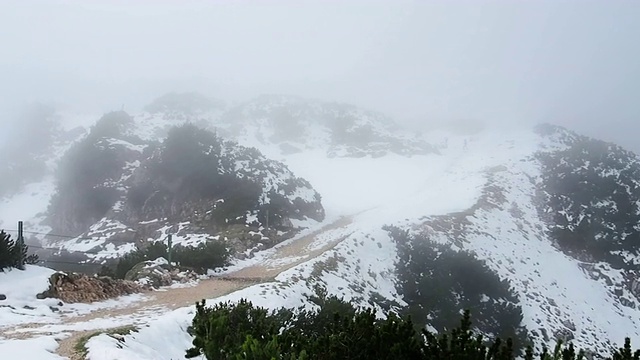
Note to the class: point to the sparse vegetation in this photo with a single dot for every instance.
(81, 346)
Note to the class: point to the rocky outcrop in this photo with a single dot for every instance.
(80, 288)
(193, 183)
(153, 273)
(590, 190)
(157, 273)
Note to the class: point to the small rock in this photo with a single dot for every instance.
(569, 325)
(28, 307)
(54, 309)
(564, 334)
(545, 336)
(3, 297)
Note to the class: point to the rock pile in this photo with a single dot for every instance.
(80, 288)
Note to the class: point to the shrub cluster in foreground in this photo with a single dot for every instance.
(338, 331)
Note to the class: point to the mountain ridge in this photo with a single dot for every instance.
(485, 193)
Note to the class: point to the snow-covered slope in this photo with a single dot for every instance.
(116, 188)
(487, 193)
(282, 125)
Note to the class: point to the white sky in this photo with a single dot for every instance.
(575, 63)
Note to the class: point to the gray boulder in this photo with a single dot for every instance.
(154, 273)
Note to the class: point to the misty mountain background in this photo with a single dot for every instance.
(515, 199)
(570, 63)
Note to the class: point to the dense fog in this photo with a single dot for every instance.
(574, 63)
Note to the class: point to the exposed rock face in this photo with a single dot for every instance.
(157, 273)
(565, 335)
(635, 288)
(80, 288)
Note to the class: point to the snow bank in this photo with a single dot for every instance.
(39, 348)
(21, 287)
(164, 338)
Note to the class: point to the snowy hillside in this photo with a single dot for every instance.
(116, 189)
(484, 199)
(518, 200)
(283, 125)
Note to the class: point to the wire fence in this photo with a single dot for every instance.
(54, 235)
(61, 249)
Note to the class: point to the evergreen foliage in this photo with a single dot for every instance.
(591, 196)
(14, 255)
(338, 331)
(193, 158)
(110, 125)
(438, 282)
(84, 183)
(242, 331)
(209, 255)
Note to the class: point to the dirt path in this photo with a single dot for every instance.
(284, 258)
(295, 253)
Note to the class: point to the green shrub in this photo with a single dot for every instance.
(437, 282)
(111, 125)
(14, 255)
(205, 256)
(128, 261)
(242, 331)
(209, 255)
(339, 331)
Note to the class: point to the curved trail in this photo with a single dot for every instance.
(283, 258)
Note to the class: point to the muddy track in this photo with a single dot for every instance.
(284, 258)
